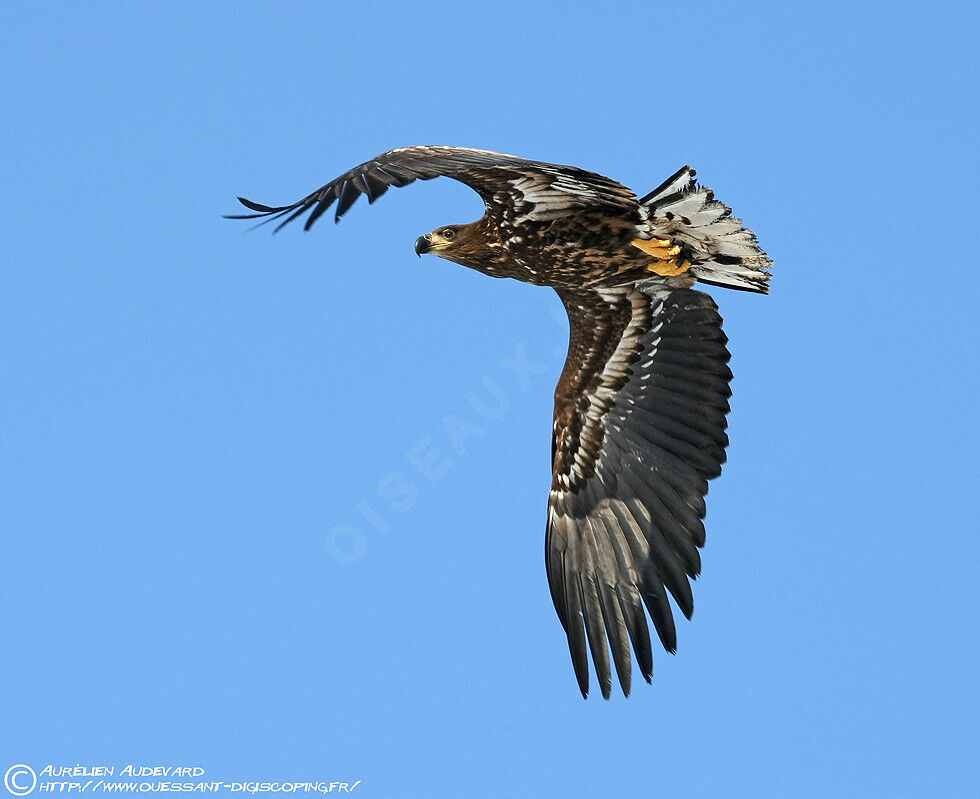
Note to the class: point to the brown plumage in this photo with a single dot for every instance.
(641, 405)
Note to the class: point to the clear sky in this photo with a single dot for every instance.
(216, 549)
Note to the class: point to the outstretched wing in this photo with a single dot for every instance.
(639, 430)
(513, 188)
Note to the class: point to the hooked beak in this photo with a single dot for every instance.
(423, 244)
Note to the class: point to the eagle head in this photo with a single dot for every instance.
(476, 245)
(437, 242)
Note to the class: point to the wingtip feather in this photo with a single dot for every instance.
(258, 207)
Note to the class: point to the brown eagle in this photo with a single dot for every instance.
(641, 403)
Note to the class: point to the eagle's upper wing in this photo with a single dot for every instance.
(639, 430)
(513, 188)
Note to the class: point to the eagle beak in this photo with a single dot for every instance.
(422, 245)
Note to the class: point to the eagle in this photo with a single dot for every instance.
(642, 400)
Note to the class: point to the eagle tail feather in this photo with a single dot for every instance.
(722, 251)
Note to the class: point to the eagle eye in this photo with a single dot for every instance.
(448, 234)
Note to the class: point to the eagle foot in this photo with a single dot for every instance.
(668, 259)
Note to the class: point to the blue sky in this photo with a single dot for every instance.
(216, 548)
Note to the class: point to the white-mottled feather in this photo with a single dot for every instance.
(723, 250)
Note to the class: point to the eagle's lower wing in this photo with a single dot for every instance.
(639, 430)
(513, 188)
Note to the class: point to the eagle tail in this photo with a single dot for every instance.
(722, 252)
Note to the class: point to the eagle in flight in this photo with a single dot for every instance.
(641, 403)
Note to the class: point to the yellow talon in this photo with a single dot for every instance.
(669, 268)
(665, 253)
(658, 248)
